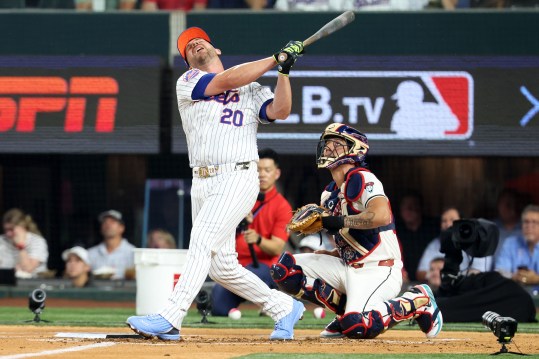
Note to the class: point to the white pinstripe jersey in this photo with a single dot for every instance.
(220, 129)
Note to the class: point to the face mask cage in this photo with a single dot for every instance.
(337, 156)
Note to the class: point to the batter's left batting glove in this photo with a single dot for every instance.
(333, 223)
(288, 55)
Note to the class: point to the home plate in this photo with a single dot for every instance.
(98, 335)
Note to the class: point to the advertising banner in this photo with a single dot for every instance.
(409, 105)
(79, 104)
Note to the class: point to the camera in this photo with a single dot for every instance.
(504, 328)
(476, 237)
(203, 300)
(36, 301)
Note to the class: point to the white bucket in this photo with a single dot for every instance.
(158, 271)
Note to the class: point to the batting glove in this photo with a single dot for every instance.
(288, 55)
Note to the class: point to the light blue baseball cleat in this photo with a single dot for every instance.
(430, 318)
(284, 328)
(153, 326)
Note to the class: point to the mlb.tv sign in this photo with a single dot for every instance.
(404, 105)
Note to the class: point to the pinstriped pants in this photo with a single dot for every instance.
(219, 203)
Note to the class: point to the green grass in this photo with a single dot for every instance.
(364, 356)
(115, 317)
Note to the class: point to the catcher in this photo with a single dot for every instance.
(361, 278)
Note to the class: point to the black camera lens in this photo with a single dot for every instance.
(36, 300)
(203, 300)
(504, 328)
(465, 231)
(488, 319)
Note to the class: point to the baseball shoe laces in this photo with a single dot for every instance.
(284, 328)
(153, 326)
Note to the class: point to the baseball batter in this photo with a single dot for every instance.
(360, 279)
(220, 111)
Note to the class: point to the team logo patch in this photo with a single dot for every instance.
(190, 74)
(369, 187)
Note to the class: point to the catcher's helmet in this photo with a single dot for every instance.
(356, 142)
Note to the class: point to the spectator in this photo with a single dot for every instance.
(159, 238)
(21, 246)
(115, 254)
(78, 268)
(340, 5)
(316, 5)
(102, 5)
(310, 244)
(264, 231)
(50, 4)
(449, 215)
(241, 4)
(519, 256)
(185, 5)
(508, 221)
(448, 4)
(433, 277)
(415, 231)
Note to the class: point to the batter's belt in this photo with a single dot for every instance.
(214, 170)
(382, 263)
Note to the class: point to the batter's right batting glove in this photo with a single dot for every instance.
(288, 55)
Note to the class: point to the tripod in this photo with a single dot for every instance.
(503, 350)
(204, 313)
(37, 319)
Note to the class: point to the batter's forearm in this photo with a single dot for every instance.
(244, 74)
(282, 101)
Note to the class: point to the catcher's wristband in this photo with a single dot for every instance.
(333, 223)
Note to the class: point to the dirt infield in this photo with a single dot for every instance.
(20, 341)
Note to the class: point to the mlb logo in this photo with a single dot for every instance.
(449, 117)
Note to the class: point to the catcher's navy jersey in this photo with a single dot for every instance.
(359, 245)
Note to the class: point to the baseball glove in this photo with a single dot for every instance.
(307, 219)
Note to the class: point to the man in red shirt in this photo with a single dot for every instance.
(262, 235)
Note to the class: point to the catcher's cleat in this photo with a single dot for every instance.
(153, 326)
(284, 328)
(429, 317)
(333, 330)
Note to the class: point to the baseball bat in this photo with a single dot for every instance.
(336, 24)
(253, 255)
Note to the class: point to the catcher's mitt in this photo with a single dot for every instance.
(307, 219)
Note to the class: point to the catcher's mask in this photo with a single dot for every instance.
(355, 151)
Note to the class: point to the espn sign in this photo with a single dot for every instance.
(23, 98)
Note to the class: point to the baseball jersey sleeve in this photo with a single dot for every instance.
(362, 186)
(191, 86)
(262, 97)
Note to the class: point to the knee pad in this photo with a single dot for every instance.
(290, 279)
(288, 275)
(329, 297)
(366, 325)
